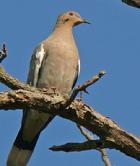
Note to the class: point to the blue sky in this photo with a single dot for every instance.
(111, 42)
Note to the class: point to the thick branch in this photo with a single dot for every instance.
(134, 3)
(77, 112)
(50, 101)
(15, 84)
(11, 82)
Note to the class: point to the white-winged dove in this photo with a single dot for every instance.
(54, 63)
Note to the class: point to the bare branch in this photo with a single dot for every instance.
(78, 147)
(134, 3)
(84, 86)
(88, 145)
(89, 137)
(77, 112)
(52, 102)
(3, 53)
(105, 157)
(11, 82)
(88, 83)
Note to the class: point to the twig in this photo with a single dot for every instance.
(77, 147)
(105, 157)
(134, 3)
(89, 137)
(84, 86)
(3, 53)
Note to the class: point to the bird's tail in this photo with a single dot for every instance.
(21, 151)
(22, 156)
(33, 123)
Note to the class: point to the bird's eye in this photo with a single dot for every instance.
(71, 14)
(66, 20)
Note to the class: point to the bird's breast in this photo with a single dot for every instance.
(59, 67)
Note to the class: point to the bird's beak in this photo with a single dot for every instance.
(80, 21)
(86, 22)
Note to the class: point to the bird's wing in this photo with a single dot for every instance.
(77, 73)
(35, 65)
(33, 122)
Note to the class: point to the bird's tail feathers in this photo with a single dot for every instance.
(18, 157)
(21, 150)
(26, 140)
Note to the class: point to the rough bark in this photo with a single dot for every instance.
(51, 101)
(134, 3)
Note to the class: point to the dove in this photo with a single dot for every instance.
(54, 63)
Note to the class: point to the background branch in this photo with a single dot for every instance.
(89, 137)
(78, 147)
(134, 3)
(3, 53)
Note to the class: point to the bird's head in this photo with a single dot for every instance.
(70, 18)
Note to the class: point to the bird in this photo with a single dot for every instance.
(55, 63)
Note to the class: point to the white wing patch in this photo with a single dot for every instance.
(78, 67)
(39, 58)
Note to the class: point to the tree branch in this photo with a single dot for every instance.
(134, 3)
(84, 86)
(89, 137)
(105, 157)
(11, 82)
(78, 147)
(3, 53)
(86, 134)
(51, 101)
